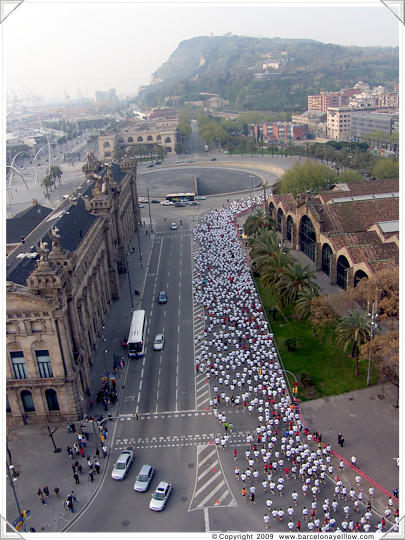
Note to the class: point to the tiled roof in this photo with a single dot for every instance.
(357, 216)
(25, 222)
(73, 222)
(390, 185)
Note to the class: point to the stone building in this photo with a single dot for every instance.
(160, 129)
(349, 232)
(59, 291)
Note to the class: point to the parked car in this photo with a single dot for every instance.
(167, 203)
(200, 198)
(161, 496)
(122, 465)
(158, 342)
(179, 161)
(190, 161)
(179, 204)
(158, 163)
(144, 478)
(162, 297)
(143, 200)
(213, 159)
(174, 227)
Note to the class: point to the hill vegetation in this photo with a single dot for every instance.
(225, 65)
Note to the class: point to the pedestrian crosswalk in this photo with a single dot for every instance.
(206, 439)
(202, 392)
(211, 488)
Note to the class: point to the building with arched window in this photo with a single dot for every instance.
(59, 292)
(349, 232)
(159, 129)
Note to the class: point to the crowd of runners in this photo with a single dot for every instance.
(282, 467)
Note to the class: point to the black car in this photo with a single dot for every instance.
(213, 159)
(151, 165)
(162, 297)
(155, 201)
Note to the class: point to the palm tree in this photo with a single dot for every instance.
(256, 222)
(303, 301)
(266, 243)
(272, 268)
(294, 280)
(353, 330)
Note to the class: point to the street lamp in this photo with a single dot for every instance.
(373, 315)
(129, 282)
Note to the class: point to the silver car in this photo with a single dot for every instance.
(123, 464)
(158, 342)
(144, 478)
(161, 496)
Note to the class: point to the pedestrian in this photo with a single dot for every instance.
(41, 496)
(244, 492)
(69, 504)
(46, 491)
(91, 475)
(69, 451)
(74, 467)
(97, 466)
(353, 460)
(252, 498)
(56, 491)
(76, 477)
(74, 497)
(104, 450)
(266, 520)
(298, 525)
(281, 514)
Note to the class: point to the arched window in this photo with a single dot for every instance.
(168, 140)
(150, 138)
(341, 269)
(52, 400)
(28, 402)
(271, 210)
(106, 144)
(130, 139)
(120, 140)
(307, 238)
(290, 223)
(280, 215)
(140, 139)
(358, 276)
(326, 255)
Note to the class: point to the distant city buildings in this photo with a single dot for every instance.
(279, 131)
(110, 96)
(362, 123)
(159, 129)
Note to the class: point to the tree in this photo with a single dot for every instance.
(322, 313)
(47, 183)
(272, 268)
(178, 148)
(386, 168)
(310, 176)
(385, 356)
(294, 280)
(257, 221)
(353, 330)
(381, 289)
(349, 175)
(304, 298)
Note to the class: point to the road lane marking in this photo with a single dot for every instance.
(215, 490)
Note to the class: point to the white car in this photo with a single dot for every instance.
(200, 198)
(179, 161)
(144, 478)
(161, 496)
(167, 203)
(174, 227)
(158, 342)
(123, 464)
(143, 200)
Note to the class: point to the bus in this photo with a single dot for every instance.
(180, 197)
(137, 334)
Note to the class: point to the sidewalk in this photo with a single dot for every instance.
(31, 448)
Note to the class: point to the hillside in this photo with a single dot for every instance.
(226, 65)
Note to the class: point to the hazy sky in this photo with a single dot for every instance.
(54, 45)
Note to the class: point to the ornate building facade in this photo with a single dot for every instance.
(349, 232)
(60, 290)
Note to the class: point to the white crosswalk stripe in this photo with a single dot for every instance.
(211, 488)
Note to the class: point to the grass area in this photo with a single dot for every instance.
(331, 370)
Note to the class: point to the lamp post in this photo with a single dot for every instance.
(373, 315)
(150, 216)
(140, 251)
(129, 282)
(10, 473)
